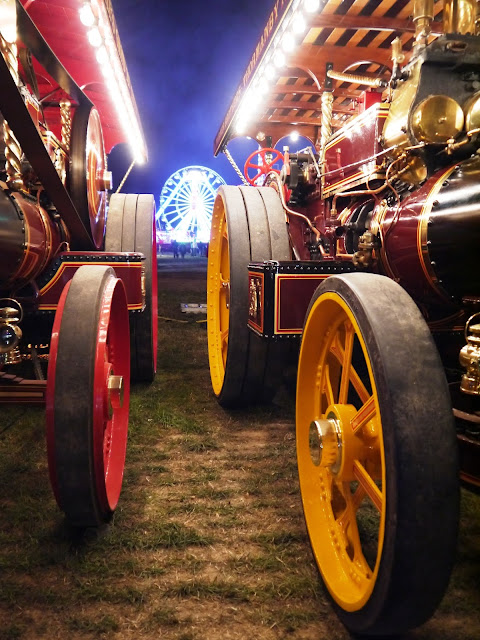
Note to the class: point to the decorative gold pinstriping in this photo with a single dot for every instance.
(61, 269)
(359, 177)
(422, 247)
(289, 276)
(379, 218)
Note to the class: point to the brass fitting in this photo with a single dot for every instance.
(116, 392)
(422, 18)
(10, 335)
(357, 79)
(459, 16)
(470, 359)
(364, 256)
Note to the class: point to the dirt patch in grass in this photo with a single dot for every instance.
(208, 541)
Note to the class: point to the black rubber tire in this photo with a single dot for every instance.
(73, 398)
(251, 360)
(421, 457)
(131, 227)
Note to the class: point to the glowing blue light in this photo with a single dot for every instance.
(186, 203)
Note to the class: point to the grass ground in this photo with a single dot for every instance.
(208, 541)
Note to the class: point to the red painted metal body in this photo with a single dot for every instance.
(59, 23)
(381, 191)
(128, 267)
(62, 108)
(351, 155)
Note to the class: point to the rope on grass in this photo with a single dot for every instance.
(172, 320)
(180, 321)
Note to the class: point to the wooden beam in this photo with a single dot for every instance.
(302, 106)
(371, 23)
(315, 57)
(284, 104)
(302, 120)
(278, 130)
(313, 91)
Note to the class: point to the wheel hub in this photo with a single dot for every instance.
(115, 393)
(226, 286)
(325, 441)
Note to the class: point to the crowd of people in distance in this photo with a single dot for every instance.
(194, 248)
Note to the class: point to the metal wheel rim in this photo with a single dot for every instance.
(218, 296)
(332, 501)
(110, 433)
(109, 437)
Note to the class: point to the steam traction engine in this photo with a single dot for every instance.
(364, 242)
(75, 265)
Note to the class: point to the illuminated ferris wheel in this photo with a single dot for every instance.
(186, 203)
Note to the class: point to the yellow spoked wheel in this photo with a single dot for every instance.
(219, 296)
(248, 225)
(377, 454)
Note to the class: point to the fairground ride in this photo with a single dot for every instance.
(186, 203)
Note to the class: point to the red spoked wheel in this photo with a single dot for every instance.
(268, 158)
(88, 394)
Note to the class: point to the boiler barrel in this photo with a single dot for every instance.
(454, 231)
(29, 239)
(431, 240)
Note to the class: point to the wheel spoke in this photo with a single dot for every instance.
(339, 352)
(352, 502)
(224, 337)
(346, 363)
(347, 525)
(366, 412)
(328, 390)
(368, 485)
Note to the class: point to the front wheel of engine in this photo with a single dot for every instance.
(377, 454)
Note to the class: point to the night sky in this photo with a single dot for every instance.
(185, 59)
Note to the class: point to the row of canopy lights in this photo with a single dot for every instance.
(100, 35)
(291, 29)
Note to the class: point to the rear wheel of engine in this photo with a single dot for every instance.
(377, 454)
(87, 173)
(131, 227)
(246, 226)
(88, 390)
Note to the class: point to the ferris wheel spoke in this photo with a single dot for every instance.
(211, 189)
(172, 194)
(182, 211)
(185, 224)
(204, 218)
(175, 219)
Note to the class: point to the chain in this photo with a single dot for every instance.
(235, 166)
(127, 173)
